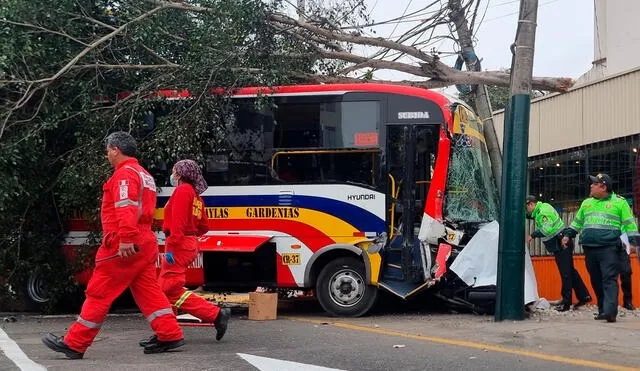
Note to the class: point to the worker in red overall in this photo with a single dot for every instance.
(126, 258)
(185, 219)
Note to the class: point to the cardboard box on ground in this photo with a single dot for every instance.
(263, 306)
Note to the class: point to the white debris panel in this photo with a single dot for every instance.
(477, 263)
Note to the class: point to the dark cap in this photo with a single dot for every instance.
(601, 178)
(531, 198)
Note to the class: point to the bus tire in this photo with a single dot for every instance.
(36, 292)
(342, 288)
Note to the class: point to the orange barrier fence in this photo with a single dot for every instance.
(549, 282)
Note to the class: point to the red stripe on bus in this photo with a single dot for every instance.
(310, 236)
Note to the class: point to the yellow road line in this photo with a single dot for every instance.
(470, 344)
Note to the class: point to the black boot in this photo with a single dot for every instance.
(222, 322)
(627, 305)
(582, 302)
(563, 307)
(57, 344)
(163, 346)
(148, 341)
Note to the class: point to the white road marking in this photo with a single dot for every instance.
(270, 364)
(186, 317)
(16, 355)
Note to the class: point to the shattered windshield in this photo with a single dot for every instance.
(471, 193)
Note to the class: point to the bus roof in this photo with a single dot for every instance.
(436, 97)
(344, 88)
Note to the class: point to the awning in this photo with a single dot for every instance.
(232, 243)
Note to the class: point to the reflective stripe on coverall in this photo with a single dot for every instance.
(184, 218)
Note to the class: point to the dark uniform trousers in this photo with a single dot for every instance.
(569, 275)
(603, 264)
(625, 274)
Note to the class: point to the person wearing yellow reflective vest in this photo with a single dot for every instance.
(601, 220)
(549, 228)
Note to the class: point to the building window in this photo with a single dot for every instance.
(562, 178)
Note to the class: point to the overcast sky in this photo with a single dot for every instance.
(564, 37)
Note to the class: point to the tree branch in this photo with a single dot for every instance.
(181, 6)
(377, 63)
(440, 73)
(45, 30)
(305, 38)
(499, 78)
(30, 91)
(427, 84)
(126, 66)
(153, 52)
(98, 42)
(92, 20)
(341, 36)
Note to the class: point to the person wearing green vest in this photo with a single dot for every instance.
(549, 227)
(601, 220)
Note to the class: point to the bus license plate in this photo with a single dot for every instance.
(290, 259)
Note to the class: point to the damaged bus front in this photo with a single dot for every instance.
(441, 192)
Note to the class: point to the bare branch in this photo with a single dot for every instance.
(92, 20)
(102, 24)
(499, 78)
(37, 27)
(41, 83)
(438, 79)
(175, 37)
(377, 63)
(153, 52)
(98, 42)
(25, 98)
(356, 39)
(126, 66)
(306, 38)
(433, 68)
(427, 84)
(37, 110)
(181, 6)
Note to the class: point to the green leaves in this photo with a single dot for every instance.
(51, 129)
(51, 132)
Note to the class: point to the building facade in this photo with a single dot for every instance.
(616, 41)
(593, 128)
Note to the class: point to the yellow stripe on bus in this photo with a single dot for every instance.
(329, 225)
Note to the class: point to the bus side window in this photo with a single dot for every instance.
(286, 170)
(329, 166)
(297, 125)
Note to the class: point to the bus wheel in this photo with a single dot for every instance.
(36, 291)
(342, 289)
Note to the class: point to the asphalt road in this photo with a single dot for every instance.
(252, 345)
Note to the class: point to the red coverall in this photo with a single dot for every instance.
(184, 219)
(128, 205)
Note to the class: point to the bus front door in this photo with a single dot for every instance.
(410, 157)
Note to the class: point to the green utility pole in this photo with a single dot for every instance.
(511, 250)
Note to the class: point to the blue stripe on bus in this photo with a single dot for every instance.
(358, 217)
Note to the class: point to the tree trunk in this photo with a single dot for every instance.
(481, 97)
